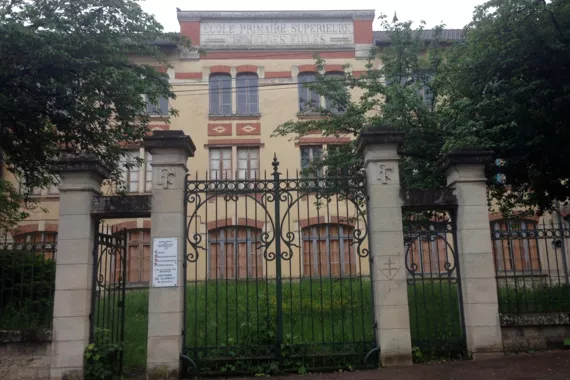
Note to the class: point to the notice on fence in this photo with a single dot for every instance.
(164, 262)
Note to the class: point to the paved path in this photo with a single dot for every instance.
(551, 365)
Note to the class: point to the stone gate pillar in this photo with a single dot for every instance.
(80, 181)
(466, 174)
(379, 147)
(170, 152)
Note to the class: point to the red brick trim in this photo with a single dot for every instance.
(234, 117)
(342, 220)
(162, 127)
(322, 140)
(220, 69)
(329, 68)
(51, 227)
(363, 32)
(188, 75)
(25, 229)
(307, 68)
(220, 129)
(241, 129)
(277, 74)
(126, 225)
(248, 222)
(278, 54)
(307, 222)
(358, 73)
(191, 30)
(519, 215)
(160, 69)
(247, 69)
(219, 223)
(232, 142)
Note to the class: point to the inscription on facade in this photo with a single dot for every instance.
(277, 33)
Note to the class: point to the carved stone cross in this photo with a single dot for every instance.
(383, 174)
(165, 178)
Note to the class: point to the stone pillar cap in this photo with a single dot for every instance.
(74, 163)
(378, 135)
(466, 156)
(169, 139)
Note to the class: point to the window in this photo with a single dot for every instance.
(130, 172)
(138, 256)
(337, 76)
(220, 94)
(328, 250)
(515, 246)
(148, 172)
(247, 94)
(248, 163)
(308, 100)
(25, 190)
(221, 163)
(310, 155)
(40, 242)
(160, 109)
(429, 254)
(233, 253)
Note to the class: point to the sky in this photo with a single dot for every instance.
(453, 13)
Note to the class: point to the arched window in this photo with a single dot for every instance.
(308, 100)
(515, 245)
(329, 103)
(233, 252)
(138, 255)
(220, 94)
(328, 250)
(247, 94)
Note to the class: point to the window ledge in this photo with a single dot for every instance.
(255, 116)
(310, 116)
(511, 274)
(159, 117)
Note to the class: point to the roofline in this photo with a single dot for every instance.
(362, 14)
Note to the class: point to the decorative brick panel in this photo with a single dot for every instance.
(363, 32)
(248, 129)
(25, 229)
(188, 75)
(191, 30)
(160, 69)
(220, 129)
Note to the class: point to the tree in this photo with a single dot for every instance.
(67, 84)
(509, 90)
(401, 94)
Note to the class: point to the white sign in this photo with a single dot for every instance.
(164, 262)
(277, 33)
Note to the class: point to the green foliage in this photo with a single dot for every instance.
(27, 283)
(68, 84)
(529, 297)
(11, 211)
(101, 357)
(507, 87)
(411, 66)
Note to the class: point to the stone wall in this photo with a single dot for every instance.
(24, 356)
(534, 331)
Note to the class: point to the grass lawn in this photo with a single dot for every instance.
(320, 318)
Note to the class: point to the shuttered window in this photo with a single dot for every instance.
(233, 253)
(220, 90)
(328, 251)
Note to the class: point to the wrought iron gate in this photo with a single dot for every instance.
(277, 275)
(108, 293)
(434, 290)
